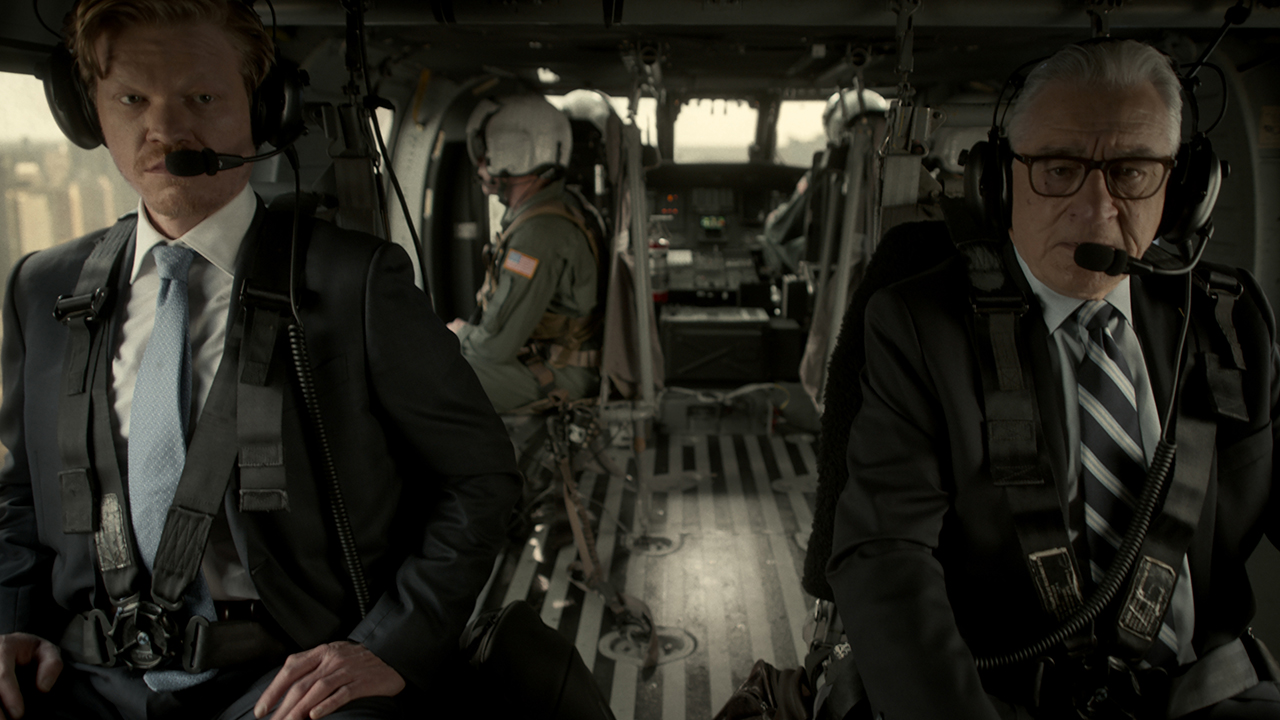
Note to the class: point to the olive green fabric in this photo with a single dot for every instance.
(563, 281)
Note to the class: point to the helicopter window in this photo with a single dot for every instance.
(714, 131)
(800, 132)
(51, 191)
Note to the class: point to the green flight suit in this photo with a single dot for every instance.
(545, 265)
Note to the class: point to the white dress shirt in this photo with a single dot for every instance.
(216, 241)
(1071, 339)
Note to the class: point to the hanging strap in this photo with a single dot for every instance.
(1013, 432)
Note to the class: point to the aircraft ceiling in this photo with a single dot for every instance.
(708, 48)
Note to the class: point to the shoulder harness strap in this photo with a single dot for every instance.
(222, 434)
(1013, 432)
(1216, 371)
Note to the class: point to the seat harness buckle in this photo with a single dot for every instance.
(144, 634)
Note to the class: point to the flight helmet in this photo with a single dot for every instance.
(520, 135)
(836, 119)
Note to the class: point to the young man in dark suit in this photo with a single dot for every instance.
(940, 564)
(422, 462)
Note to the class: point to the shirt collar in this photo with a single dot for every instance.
(1056, 308)
(217, 238)
(553, 191)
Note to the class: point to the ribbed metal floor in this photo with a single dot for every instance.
(734, 512)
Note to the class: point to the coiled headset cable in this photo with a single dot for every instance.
(322, 451)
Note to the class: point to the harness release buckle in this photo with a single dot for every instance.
(74, 307)
(144, 634)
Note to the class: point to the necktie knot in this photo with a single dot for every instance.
(172, 261)
(1094, 315)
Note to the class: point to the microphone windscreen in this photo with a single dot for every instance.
(189, 163)
(1101, 258)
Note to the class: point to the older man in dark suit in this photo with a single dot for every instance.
(422, 463)
(995, 471)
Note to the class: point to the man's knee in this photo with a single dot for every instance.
(1260, 702)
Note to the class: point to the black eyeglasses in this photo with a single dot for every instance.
(1132, 178)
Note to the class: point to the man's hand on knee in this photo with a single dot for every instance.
(24, 649)
(314, 683)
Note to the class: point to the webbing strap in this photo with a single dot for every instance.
(198, 497)
(1223, 370)
(1152, 580)
(82, 313)
(1014, 437)
(263, 378)
(225, 643)
(117, 555)
(228, 429)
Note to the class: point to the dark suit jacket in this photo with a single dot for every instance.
(926, 566)
(427, 472)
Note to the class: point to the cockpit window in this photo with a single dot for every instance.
(800, 132)
(714, 131)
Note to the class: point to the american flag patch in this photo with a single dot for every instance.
(520, 264)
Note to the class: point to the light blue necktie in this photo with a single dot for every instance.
(158, 434)
(1111, 455)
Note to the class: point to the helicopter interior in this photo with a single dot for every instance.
(702, 482)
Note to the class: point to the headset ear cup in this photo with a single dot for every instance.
(1192, 191)
(69, 100)
(276, 109)
(986, 186)
(1000, 187)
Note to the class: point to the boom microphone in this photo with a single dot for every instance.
(1114, 261)
(189, 163)
(1102, 258)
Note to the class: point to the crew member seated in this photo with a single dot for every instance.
(536, 337)
(785, 243)
(1001, 452)
(170, 517)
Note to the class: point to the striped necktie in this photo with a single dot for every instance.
(158, 433)
(1113, 464)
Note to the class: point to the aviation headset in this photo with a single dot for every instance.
(275, 107)
(1190, 193)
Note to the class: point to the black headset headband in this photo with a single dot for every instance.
(1190, 193)
(275, 106)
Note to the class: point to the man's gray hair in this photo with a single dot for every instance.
(1113, 64)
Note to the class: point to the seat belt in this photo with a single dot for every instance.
(219, 439)
(1014, 436)
(1014, 433)
(1152, 582)
(260, 390)
(82, 313)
